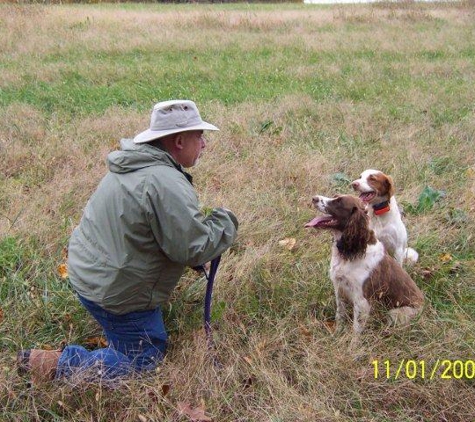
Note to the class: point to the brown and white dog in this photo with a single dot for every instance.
(361, 270)
(377, 190)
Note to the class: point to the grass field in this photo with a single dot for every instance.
(306, 97)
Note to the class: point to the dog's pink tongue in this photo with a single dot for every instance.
(366, 196)
(315, 221)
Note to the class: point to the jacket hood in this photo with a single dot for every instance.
(134, 156)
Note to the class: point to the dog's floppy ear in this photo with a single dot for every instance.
(354, 239)
(389, 186)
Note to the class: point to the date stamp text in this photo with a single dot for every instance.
(421, 369)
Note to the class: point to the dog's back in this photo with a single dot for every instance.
(391, 285)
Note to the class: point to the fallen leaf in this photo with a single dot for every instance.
(248, 360)
(305, 331)
(47, 347)
(446, 257)
(95, 342)
(196, 414)
(142, 418)
(165, 389)
(330, 326)
(63, 270)
(1, 315)
(288, 243)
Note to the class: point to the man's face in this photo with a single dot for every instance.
(193, 145)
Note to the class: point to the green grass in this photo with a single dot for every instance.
(306, 97)
(226, 76)
(89, 79)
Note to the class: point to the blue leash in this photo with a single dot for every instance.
(209, 294)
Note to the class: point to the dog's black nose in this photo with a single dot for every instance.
(315, 199)
(355, 185)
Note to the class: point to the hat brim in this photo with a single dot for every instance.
(151, 135)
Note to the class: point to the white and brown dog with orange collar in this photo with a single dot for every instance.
(376, 189)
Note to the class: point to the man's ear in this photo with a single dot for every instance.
(179, 141)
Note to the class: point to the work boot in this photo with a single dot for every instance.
(40, 364)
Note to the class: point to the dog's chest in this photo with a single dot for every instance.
(388, 227)
(349, 276)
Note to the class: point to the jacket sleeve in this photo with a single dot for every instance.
(181, 230)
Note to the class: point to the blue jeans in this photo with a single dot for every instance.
(137, 342)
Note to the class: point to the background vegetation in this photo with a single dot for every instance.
(306, 98)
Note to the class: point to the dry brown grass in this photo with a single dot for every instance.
(280, 359)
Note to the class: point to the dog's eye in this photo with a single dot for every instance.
(372, 177)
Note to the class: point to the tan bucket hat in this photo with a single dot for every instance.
(173, 116)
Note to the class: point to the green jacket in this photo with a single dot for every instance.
(139, 231)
